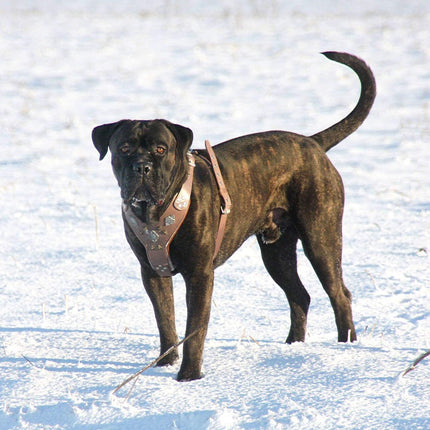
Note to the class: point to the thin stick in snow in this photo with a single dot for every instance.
(417, 360)
(66, 304)
(29, 361)
(153, 363)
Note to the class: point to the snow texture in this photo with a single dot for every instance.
(75, 320)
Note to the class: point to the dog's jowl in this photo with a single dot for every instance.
(282, 187)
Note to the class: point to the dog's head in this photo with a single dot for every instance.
(148, 157)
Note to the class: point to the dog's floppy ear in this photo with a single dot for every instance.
(101, 136)
(183, 135)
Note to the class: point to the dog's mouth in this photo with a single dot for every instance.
(141, 201)
(148, 202)
(140, 196)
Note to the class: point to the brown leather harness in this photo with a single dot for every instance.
(157, 237)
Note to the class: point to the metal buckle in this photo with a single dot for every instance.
(225, 210)
(191, 159)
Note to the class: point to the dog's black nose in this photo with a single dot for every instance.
(141, 168)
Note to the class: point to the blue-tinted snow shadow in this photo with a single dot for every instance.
(418, 423)
(77, 364)
(56, 330)
(60, 414)
(73, 365)
(198, 420)
(64, 415)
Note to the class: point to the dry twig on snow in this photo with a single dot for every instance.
(153, 363)
(417, 360)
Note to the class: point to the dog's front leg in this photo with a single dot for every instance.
(199, 295)
(160, 292)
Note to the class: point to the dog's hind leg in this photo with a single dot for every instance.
(322, 243)
(280, 260)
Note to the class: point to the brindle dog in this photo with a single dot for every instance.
(283, 188)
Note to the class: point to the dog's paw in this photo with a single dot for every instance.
(186, 376)
(169, 359)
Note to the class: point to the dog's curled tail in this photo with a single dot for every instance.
(339, 131)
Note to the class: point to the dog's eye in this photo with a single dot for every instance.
(124, 149)
(160, 150)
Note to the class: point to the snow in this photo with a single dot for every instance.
(75, 320)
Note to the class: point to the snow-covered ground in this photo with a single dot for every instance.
(75, 321)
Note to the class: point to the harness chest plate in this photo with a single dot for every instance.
(156, 237)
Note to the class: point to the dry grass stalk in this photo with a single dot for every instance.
(96, 221)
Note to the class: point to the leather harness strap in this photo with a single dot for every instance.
(225, 210)
(156, 237)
